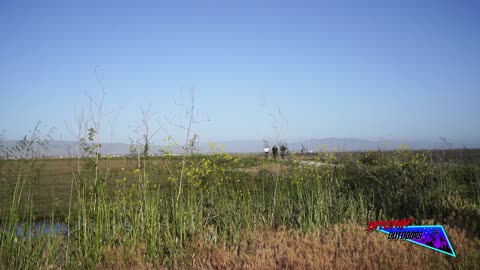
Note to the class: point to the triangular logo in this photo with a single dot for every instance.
(429, 236)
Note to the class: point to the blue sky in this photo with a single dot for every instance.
(405, 70)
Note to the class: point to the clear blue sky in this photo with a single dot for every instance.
(365, 69)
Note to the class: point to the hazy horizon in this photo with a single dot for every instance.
(372, 70)
(71, 148)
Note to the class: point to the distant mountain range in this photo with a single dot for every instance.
(69, 148)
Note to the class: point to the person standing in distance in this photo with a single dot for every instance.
(283, 150)
(275, 152)
(266, 150)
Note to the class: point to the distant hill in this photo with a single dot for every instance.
(333, 144)
(69, 148)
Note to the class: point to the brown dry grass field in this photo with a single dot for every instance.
(345, 246)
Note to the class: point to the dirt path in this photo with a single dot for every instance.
(316, 163)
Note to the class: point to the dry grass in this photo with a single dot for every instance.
(123, 258)
(270, 168)
(343, 247)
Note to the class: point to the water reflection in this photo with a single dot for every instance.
(39, 228)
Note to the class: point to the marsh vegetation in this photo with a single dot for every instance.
(134, 211)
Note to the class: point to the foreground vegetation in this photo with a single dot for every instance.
(224, 211)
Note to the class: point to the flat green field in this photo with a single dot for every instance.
(53, 179)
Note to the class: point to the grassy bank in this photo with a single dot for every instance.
(217, 211)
